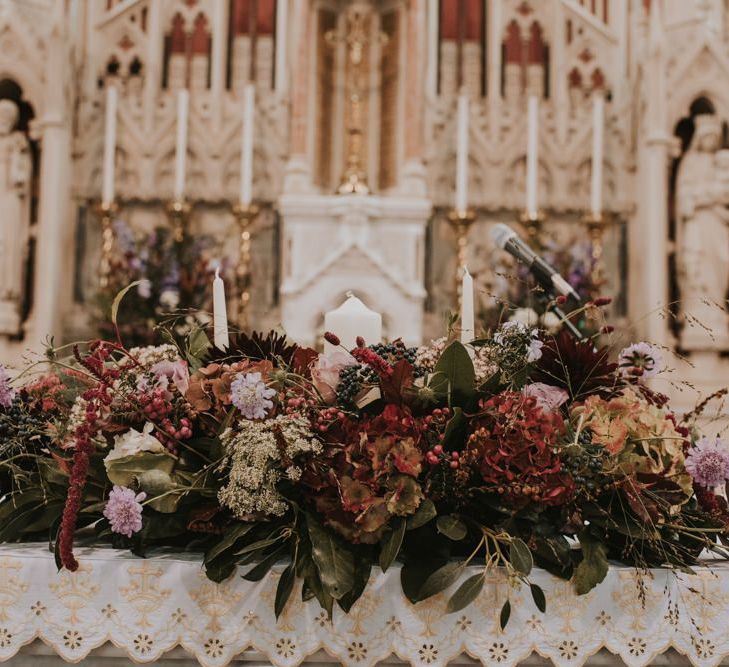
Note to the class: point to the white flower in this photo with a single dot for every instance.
(169, 299)
(526, 316)
(551, 322)
(132, 442)
(534, 350)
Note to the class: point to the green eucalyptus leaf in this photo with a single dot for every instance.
(505, 614)
(283, 590)
(454, 377)
(228, 541)
(391, 543)
(452, 527)
(538, 596)
(260, 570)
(333, 559)
(414, 572)
(520, 557)
(426, 511)
(439, 580)
(593, 567)
(466, 593)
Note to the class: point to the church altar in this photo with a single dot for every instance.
(146, 608)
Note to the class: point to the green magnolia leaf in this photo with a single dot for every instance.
(124, 470)
(454, 376)
(538, 597)
(505, 614)
(219, 572)
(198, 344)
(333, 559)
(259, 571)
(439, 580)
(593, 567)
(259, 544)
(118, 299)
(520, 557)
(455, 431)
(415, 571)
(466, 593)
(391, 543)
(362, 570)
(425, 512)
(452, 527)
(157, 482)
(283, 590)
(228, 541)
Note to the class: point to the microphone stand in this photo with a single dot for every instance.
(569, 325)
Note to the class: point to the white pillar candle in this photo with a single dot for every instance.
(107, 189)
(246, 150)
(532, 157)
(183, 98)
(598, 125)
(282, 23)
(462, 153)
(220, 313)
(353, 319)
(468, 327)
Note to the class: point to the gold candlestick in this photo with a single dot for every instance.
(178, 211)
(245, 216)
(461, 222)
(532, 223)
(106, 211)
(596, 225)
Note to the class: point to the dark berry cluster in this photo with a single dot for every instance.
(19, 424)
(397, 351)
(352, 379)
(586, 463)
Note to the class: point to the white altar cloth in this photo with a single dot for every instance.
(147, 608)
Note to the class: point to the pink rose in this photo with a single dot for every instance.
(548, 398)
(325, 372)
(175, 371)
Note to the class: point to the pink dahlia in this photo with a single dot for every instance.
(6, 391)
(708, 462)
(124, 510)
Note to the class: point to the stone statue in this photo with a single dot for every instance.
(15, 179)
(702, 197)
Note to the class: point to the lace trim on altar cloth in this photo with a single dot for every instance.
(148, 607)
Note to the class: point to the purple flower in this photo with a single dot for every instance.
(251, 395)
(646, 357)
(548, 398)
(124, 510)
(708, 462)
(7, 393)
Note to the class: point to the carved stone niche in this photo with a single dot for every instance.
(372, 246)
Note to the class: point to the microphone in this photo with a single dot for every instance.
(546, 275)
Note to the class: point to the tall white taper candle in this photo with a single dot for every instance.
(246, 148)
(220, 313)
(462, 153)
(107, 189)
(532, 158)
(468, 327)
(598, 129)
(183, 100)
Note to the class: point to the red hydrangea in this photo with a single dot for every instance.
(512, 445)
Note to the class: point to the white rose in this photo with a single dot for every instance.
(132, 442)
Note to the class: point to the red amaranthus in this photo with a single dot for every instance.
(512, 447)
(97, 398)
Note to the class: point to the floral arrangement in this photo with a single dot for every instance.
(522, 448)
(169, 277)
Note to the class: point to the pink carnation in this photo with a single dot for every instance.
(548, 398)
(124, 510)
(708, 462)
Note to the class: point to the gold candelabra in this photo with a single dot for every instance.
(178, 211)
(596, 225)
(461, 221)
(245, 216)
(533, 223)
(106, 211)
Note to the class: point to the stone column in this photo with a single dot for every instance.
(413, 172)
(54, 251)
(298, 169)
(649, 241)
